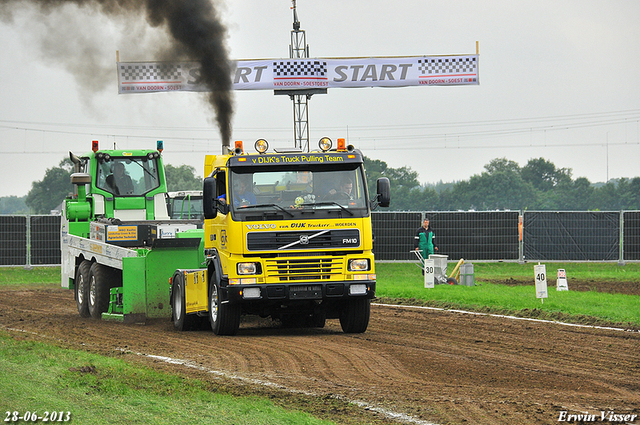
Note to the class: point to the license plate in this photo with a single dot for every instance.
(309, 292)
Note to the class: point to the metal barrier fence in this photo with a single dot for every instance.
(474, 236)
(13, 240)
(630, 235)
(29, 240)
(514, 235)
(572, 235)
(45, 239)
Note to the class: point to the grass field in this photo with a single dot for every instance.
(403, 283)
(37, 276)
(93, 389)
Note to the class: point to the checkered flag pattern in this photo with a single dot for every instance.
(300, 68)
(151, 72)
(444, 66)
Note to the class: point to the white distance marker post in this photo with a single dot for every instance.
(561, 283)
(429, 273)
(540, 272)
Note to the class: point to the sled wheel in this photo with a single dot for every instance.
(99, 286)
(181, 321)
(82, 288)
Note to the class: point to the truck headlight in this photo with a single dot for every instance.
(246, 268)
(358, 265)
(325, 144)
(261, 146)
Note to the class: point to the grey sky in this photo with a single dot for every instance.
(558, 79)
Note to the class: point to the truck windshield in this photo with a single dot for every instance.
(183, 205)
(298, 190)
(131, 176)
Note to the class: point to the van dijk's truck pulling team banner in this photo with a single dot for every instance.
(306, 73)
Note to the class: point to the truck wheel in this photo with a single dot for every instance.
(224, 317)
(98, 292)
(82, 288)
(181, 320)
(354, 317)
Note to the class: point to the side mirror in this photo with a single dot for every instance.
(208, 198)
(384, 192)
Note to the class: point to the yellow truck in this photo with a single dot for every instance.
(287, 235)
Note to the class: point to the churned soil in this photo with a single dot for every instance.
(610, 287)
(412, 365)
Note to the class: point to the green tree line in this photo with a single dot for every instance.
(504, 184)
(47, 194)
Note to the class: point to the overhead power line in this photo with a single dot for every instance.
(418, 136)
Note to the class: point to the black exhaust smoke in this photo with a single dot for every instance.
(194, 29)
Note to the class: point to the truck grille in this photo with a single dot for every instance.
(286, 270)
(303, 240)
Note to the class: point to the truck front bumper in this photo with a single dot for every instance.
(302, 291)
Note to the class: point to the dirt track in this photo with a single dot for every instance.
(434, 366)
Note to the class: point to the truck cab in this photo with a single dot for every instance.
(119, 184)
(185, 204)
(288, 235)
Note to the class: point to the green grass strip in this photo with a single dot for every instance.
(405, 282)
(36, 276)
(38, 377)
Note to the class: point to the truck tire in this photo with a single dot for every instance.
(181, 320)
(354, 317)
(82, 288)
(223, 316)
(99, 287)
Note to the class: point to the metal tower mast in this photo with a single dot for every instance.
(299, 49)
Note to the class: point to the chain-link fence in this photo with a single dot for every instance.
(474, 236)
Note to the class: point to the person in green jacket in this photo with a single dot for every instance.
(424, 240)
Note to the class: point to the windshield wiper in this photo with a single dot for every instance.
(332, 203)
(264, 205)
(144, 169)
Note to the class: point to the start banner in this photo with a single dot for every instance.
(305, 73)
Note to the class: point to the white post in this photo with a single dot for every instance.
(561, 283)
(429, 273)
(540, 272)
